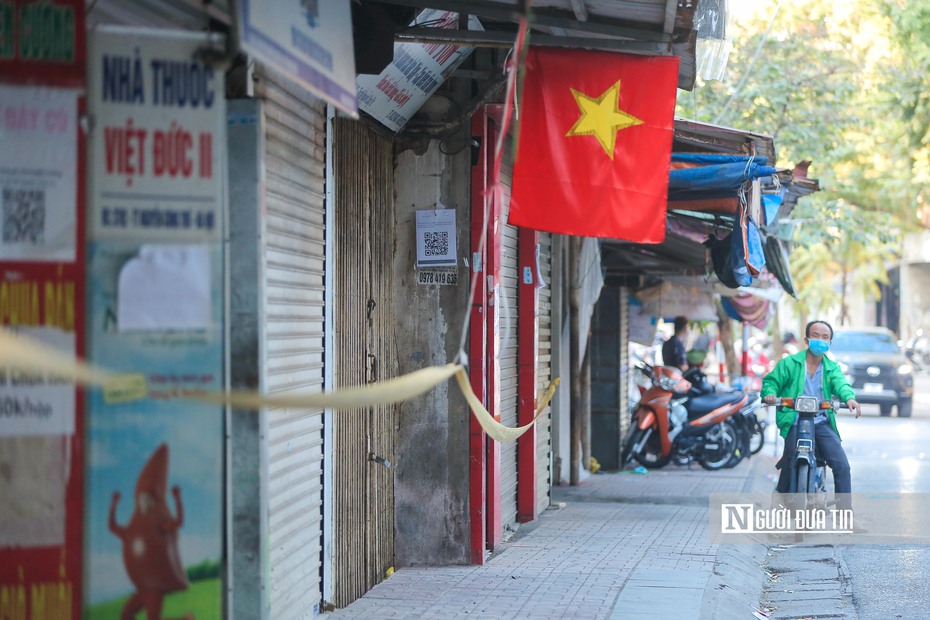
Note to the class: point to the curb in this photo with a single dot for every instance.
(738, 581)
(734, 589)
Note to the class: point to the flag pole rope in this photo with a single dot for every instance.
(511, 67)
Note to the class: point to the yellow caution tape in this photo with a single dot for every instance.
(549, 394)
(20, 353)
(492, 427)
(390, 391)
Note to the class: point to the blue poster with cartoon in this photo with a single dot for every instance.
(154, 479)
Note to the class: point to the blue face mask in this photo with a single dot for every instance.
(818, 347)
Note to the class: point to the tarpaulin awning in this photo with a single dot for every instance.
(702, 176)
(693, 296)
(701, 210)
(693, 299)
(749, 308)
(776, 261)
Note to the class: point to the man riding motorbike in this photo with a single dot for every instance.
(811, 373)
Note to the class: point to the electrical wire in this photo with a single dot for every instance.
(748, 70)
(493, 192)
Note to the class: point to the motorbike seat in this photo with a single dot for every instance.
(702, 405)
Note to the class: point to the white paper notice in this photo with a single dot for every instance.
(32, 404)
(436, 238)
(38, 168)
(166, 287)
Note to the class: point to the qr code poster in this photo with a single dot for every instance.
(436, 238)
(38, 173)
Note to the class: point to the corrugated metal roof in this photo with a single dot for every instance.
(653, 27)
(663, 16)
(188, 14)
(676, 255)
(704, 137)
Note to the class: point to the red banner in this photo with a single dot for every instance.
(43, 42)
(595, 143)
(42, 290)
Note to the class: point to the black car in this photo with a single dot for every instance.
(876, 368)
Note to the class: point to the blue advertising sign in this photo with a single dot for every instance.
(309, 41)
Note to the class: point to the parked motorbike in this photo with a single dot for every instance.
(668, 424)
(751, 429)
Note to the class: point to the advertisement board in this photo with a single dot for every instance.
(416, 72)
(154, 509)
(42, 168)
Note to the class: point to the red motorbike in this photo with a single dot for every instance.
(668, 424)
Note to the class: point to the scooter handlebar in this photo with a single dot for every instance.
(786, 401)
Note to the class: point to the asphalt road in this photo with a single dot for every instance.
(890, 455)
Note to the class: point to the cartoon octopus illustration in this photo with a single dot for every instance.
(150, 540)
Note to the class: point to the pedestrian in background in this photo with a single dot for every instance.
(673, 350)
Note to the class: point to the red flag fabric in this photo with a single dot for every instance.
(595, 143)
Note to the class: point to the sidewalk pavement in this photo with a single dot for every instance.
(620, 545)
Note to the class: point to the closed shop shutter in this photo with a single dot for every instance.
(606, 394)
(625, 370)
(544, 374)
(509, 283)
(610, 375)
(292, 338)
(363, 487)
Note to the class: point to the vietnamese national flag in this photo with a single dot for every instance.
(595, 142)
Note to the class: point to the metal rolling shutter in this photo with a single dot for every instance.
(363, 163)
(610, 375)
(509, 283)
(544, 374)
(625, 370)
(606, 367)
(292, 340)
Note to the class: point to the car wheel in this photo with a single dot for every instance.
(886, 408)
(904, 407)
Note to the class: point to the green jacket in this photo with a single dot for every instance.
(787, 381)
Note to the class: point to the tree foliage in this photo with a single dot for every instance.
(909, 100)
(844, 85)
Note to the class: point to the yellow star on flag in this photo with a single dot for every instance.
(602, 118)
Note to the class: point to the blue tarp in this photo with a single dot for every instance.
(755, 255)
(714, 176)
(771, 203)
(729, 309)
(728, 256)
(741, 254)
